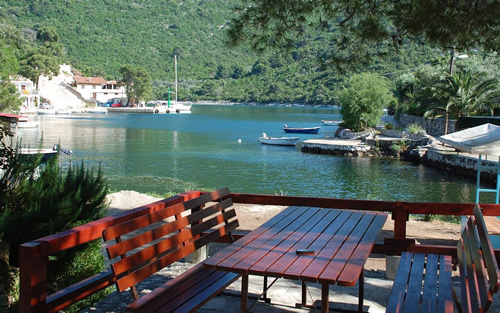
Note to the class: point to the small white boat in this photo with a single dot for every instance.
(278, 141)
(46, 153)
(330, 123)
(63, 111)
(98, 110)
(46, 111)
(25, 122)
(179, 108)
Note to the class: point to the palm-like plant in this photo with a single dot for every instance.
(465, 94)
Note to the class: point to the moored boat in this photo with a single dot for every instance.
(46, 111)
(18, 121)
(301, 130)
(278, 141)
(25, 122)
(98, 110)
(330, 123)
(46, 153)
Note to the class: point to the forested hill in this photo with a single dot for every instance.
(100, 36)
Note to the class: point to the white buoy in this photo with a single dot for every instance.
(239, 140)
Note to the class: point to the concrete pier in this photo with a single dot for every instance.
(434, 154)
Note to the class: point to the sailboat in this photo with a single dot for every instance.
(177, 107)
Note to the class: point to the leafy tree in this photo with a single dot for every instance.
(465, 94)
(363, 100)
(366, 27)
(222, 72)
(8, 61)
(49, 40)
(9, 65)
(414, 91)
(38, 64)
(9, 97)
(238, 71)
(137, 82)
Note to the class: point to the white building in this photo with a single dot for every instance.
(98, 89)
(28, 93)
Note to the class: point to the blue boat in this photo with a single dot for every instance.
(301, 130)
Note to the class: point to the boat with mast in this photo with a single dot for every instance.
(177, 107)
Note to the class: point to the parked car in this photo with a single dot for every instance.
(115, 105)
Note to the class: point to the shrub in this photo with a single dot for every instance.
(48, 204)
(389, 126)
(39, 200)
(415, 129)
(362, 102)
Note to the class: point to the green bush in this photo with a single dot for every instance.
(39, 200)
(415, 129)
(39, 206)
(389, 126)
(74, 265)
(363, 100)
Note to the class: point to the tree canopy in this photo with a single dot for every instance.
(363, 100)
(368, 27)
(137, 82)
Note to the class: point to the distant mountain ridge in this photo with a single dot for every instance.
(100, 36)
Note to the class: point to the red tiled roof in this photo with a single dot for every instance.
(90, 80)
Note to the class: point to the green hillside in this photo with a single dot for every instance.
(101, 36)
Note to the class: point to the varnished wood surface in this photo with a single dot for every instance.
(422, 284)
(341, 240)
(140, 247)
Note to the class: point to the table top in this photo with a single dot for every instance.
(341, 240)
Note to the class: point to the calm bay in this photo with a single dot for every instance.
(216, 146)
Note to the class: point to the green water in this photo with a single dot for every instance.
(175, 153)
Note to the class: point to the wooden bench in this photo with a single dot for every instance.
(423, 281)
(144, 245)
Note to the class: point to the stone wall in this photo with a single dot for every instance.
(460, 163)
(433, 127)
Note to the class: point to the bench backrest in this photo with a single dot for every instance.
(144, 245)
(479, 271)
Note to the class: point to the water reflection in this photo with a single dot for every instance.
(160, 153)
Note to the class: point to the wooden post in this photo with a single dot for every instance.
(33, 261)
(400, 216)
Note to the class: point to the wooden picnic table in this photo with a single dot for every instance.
(339, 243)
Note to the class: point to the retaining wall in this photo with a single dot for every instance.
(433, 127)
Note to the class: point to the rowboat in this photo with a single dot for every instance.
(301, 130)
(25, 122)
(46, 153)
(330, 123)
(278, 141)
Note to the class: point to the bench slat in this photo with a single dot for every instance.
(189, 294)
(149, 269)
(487, 250)
(413, 294)
(159, 249)
(478, 269)
(398, 292)
(445, 296)
(162, 230)
(429, 298)
(422, 284)
(187, 284)
(145, 220)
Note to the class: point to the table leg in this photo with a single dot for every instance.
(361, 293)
(244, 293)
(325, 302)
(264, 295)
(304, 293)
